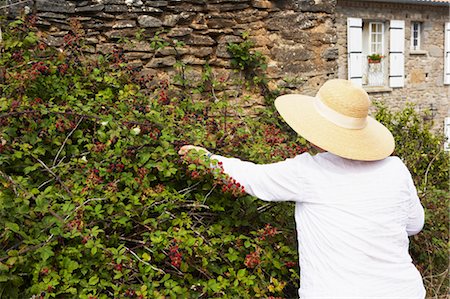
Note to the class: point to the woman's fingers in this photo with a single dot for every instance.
(185, 148)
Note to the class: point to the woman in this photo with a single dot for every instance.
(355, 205)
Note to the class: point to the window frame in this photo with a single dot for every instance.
(382, 34)
(419, 36)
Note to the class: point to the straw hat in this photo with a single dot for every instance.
(337, 120)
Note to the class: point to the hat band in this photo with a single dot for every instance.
(341, 120)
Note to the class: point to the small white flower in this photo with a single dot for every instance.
(83, 159)
(136, 130)
(104, 123)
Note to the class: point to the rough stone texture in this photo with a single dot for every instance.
(298, 37)
(424, 71)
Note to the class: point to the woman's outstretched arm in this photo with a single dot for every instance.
(272, 182)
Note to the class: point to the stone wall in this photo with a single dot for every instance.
(298, 37)
(424, 69)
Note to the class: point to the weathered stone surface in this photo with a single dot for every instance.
(105, 48)
(295, 38)
(120, 33)
(192, 60)
(330, 53)
(126, 8)
(198, 40)
(55, 6)
(435, 51)
(218, 23)
(51, 15)
(149, 21)
(122, 24)
(201, 51)
(227, 7)
(289, 54)
(138, 46)
(90, 8)
(171, 51)
(262, 4)
(161, 62)
(182, 31)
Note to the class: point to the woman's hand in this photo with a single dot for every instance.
(185, 148)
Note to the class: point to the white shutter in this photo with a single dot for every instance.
(397, 53)
(354, 49)
(447, 54)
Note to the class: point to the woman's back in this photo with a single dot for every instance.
(353, 220)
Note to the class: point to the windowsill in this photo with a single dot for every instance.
(418, 52)
(375, 89)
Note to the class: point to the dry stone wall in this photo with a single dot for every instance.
(298, 37)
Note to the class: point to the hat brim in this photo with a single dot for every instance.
(373, 142)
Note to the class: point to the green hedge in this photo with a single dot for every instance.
(96, 202)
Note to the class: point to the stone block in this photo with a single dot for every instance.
(220, 23)
(198, 40)
(201, 51)
(126, 8)
(193, 60)
(51, 15)
(417, 76)
(171, 51)
(330, 53)
(226, 7)
(106, 48)
(262, 4)
(435, 51)
(55, 6)
(120, 33)
(161, 62)
(180, 31)
(120, 24)
(149, 21)
(138, 46)
(137, 55)
(90, 8)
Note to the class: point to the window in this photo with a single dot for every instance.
(416, 28)
(376, 38)
(374, 71)
(376, 50)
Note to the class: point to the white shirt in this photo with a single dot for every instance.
(353, 220)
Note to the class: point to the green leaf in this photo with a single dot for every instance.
(12, 226)
(93, 280)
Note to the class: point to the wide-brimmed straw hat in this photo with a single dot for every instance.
(337, 120)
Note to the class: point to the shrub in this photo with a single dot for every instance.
(96, 202)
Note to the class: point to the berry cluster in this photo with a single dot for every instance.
(175, 256)
(273, 135)
(267, 232)
(39, 68)
(252, 259)
(98, 147)
(290, 264)
(17, 56)
(214, 169)
(115, 167)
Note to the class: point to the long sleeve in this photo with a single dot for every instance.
(271, 182)
(416, 217)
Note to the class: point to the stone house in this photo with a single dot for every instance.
(412, 37)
